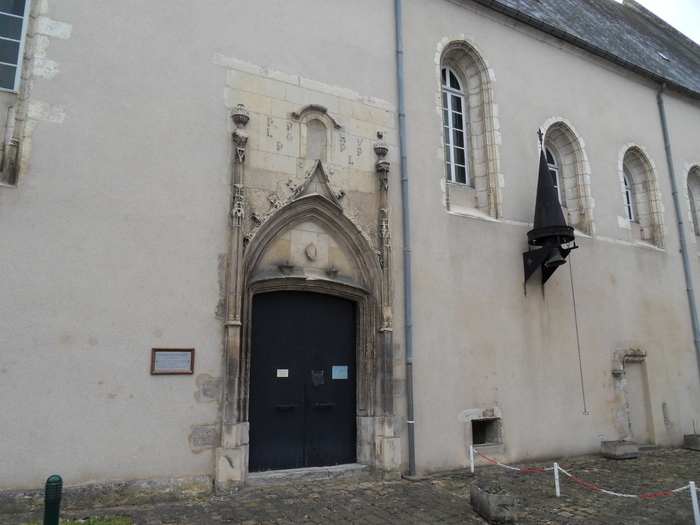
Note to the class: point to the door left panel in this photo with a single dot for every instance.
(277, 385)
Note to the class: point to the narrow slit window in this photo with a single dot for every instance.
(693, 195)
(630, 205)
(694, 212)
(556, 175)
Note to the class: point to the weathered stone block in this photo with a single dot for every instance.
(691, 441)
(233, 436)
(387, 452)
(619, 449)
(496, 508)
(230, 468)
(252, 101)
(204, 436)
(364, 452)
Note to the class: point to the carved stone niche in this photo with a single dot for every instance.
(316, 129)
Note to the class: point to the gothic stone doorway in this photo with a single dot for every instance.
(309, 245)
(302, 381)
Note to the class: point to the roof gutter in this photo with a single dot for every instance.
(591, 48)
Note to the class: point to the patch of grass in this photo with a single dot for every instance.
(107, 520)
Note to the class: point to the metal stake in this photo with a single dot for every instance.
(694, 497)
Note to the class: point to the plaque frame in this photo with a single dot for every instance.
(182, 359)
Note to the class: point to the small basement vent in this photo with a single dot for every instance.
(486, 431)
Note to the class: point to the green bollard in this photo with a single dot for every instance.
(52, 499)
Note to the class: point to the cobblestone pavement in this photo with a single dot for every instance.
(444, 498)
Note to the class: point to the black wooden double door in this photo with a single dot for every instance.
(302, 381)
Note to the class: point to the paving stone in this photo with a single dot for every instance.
(444, 498)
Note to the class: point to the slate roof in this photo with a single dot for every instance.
(626, 34)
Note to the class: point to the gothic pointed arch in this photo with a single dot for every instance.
(348, 257)
(309, 243)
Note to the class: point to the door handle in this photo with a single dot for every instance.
(325, 405)
(285, 407)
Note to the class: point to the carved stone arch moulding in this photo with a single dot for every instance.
(562, 137)
(330, 218)
(359, 278)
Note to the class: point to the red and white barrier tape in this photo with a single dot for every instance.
(513, 468)
(577, 480)
(667, 493)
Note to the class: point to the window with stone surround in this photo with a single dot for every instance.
(570, 172)
(693, 188)
(470, 132)
(641, 196)
(13, 29)
(14, 22)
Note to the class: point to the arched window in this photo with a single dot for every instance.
(556, 176)
(453, 107)
(570, 171)
(641, 196)
(694, 197)
(629, 196)
(470, 131)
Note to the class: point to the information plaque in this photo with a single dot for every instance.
(172, 360)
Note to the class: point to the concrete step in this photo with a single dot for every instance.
(273, 477)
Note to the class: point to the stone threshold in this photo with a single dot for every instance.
(274, 477)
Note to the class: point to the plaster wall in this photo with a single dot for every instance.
(480, 342)
(115, 236)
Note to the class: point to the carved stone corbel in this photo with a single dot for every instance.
(382, 166)
(626, 355)
(240, 117)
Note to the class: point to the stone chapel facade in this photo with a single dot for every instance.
(237, 185)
